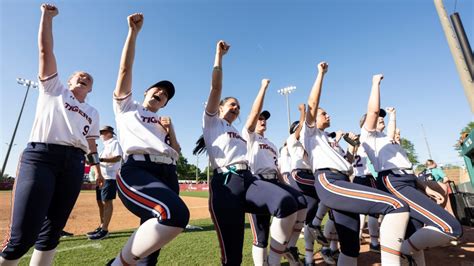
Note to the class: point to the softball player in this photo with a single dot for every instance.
(347, 199)
(51, 167)
(148, 184)
(435, 226)
(233, 188)
(262, 155)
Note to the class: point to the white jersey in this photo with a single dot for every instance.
(299, 156)
(284, 161)
(223, 143)
(140, 130)
(321, 154)
(384, 153)
(262, 154)
(61, 118)
(360, 164)
(111, 149)
(335, 145)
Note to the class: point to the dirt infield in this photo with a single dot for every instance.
(84, 217)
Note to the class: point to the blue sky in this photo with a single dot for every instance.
(280, 40)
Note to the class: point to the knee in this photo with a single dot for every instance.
(182, 216)
(286, 206)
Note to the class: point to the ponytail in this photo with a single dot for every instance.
(200, 146)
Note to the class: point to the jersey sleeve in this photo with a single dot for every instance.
(51, 85)
(123, 104)
(93, 132)
(117, 150)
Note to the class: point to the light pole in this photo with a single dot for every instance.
(286, 91)
(28, 84)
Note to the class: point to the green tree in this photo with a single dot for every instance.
(185, 170)
(410, 149)
(466, 130)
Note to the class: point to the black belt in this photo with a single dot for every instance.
(335, 171)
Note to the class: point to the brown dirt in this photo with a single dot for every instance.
(84, 217)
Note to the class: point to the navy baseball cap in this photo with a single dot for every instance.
(382, 113)
(166, 85)
(107, 128)
(265, 114)
(293, 126)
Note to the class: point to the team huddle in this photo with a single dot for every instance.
(283, 190)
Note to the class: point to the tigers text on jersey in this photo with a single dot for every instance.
(284, 161)
(262, 154)
(111, 149)
(224, 144)
(299, 157)
(61, 118)
(140, 130)
(321, 154)
(384, 153)
(360, 164)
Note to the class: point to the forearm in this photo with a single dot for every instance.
(47, 62)
(373, 107)
(124, 81)
(300, 125)
(216, 85)
(392, 126)
(256, 109)
(173, 140)
(313, 100)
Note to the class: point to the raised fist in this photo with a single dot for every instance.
(165, 121)
(265, 82)
(49, 10)
(377, 78)
(390, 110)
(323, 67)
(301, 107)
(222, 47)
(135, 21)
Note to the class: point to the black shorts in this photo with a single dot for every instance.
(108, 191)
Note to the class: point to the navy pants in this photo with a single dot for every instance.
(303, 181)
(260, 223)
(234, 194)
(150, 190)
(368, 181)
(347, 200)
(423, 210)
(47, 185)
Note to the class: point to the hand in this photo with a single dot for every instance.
(434, 195)
(323, 67)
(377, 78)
(99, 181)
(339, 134)
(301, 107)
(446, 180)
(165, 121)
(135, 21)
(390, 110)
(265, 82)
(222, 47)
(49, 10)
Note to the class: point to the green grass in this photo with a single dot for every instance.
(189, 248)
(198, 194)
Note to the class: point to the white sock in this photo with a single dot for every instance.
(41, 258)
(362, 224)
(308, 245)
(426, 237)
(5, 262)
(148, 238)
(373, 224)
(259, 255)
(346, 260)
(419, 258)
(330, 232)
(392, 233)
(280, 233)
(300, 216)
(320, 213)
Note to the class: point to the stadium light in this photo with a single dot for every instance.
(286, 91)
(28, 84)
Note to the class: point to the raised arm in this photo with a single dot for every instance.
(47, 61)
(392, 122)
(302, 109)
(124, 79)
(216, 84)
(373, 108)
(257, 106)
(313, 100)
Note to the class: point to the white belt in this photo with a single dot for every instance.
(402, 171)
(269, 176)
(236, 167)
(154, 158)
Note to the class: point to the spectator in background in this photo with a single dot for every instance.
(110, 162)
(439, 183)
